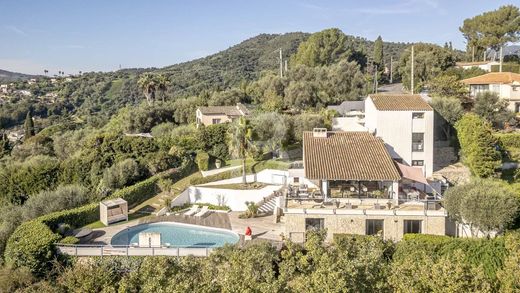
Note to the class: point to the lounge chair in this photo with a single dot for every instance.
(202, 211)
(194, 208)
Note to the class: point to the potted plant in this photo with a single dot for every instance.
(377, 194)
(218, 163)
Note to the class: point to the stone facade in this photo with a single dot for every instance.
(393, 228)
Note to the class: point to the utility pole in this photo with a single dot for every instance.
(473, 54)
(411, 80)
(281, 64)
(501, 57)
(391, 69)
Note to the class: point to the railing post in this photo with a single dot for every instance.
(178, 248)
(126, 250)
(101, 251)
(207, 253)
(153, 251)
(75, 250)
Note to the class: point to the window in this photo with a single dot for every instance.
(418, 115)
(215, 121)
(417, 142)
(515, 88)
(417, 163)
(374, 227)
(478, 88)
(495, 88)
(412, 226)
(517, 107)
(296, 180)
(314, 224)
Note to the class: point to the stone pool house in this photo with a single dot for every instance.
(360, 189)
(220, 114)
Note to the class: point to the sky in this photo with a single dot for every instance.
(102, 35)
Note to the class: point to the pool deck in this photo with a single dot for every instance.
(262, 227)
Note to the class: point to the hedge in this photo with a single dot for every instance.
(509, 140)
(69, 240)
(489, 253)
(31, 245)
(203, 161)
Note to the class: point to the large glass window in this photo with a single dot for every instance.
(412, 226)
(374, 227)
(417, 142)
(418, 115)
(314, 224)
(215, 121)
(478, 88)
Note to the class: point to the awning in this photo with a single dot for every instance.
(412, 173)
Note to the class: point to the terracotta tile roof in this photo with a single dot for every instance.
(400, 102)
(347, 156)
(237, 110)
(493, 77)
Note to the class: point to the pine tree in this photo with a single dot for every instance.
(378, 56)
(28, 125)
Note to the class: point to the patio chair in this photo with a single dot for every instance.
(202, 212)
(194, 208)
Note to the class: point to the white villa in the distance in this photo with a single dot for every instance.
(485, 65)
(505, 84)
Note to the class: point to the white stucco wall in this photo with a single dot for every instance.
(396, 128)
(234, 199)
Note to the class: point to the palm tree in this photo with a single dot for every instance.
(162, 83)
(241, 142)
(147, 82)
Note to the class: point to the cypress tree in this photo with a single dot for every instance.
(4, 145)
(28, 125)
(378, 56)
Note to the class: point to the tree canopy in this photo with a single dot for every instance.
(322, 48)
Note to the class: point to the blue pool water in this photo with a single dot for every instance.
(178, 235)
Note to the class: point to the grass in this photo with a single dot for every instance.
(131, 217)
(239, 186)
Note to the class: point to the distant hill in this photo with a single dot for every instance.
(246, 60)
(8, 76)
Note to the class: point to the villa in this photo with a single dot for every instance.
(485, 65)
(360, 189)
(505, 84)
(220, 114)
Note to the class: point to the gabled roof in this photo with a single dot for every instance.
(493, 78)
(238, 110)
(347, 156)
(399, 102)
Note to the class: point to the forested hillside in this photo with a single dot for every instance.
(8, 76)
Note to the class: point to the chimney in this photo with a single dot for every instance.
(319, 132)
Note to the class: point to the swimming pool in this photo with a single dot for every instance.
(178, 235)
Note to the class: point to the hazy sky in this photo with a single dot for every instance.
(93, 35)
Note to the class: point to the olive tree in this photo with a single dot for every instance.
(484, 205)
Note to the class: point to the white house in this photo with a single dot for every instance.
(505, 84)
(405, 123)
(220, 114)
(485, 65)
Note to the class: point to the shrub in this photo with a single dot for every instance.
(509, 140)
(121, 174)
(31, 246)
(69, 240)
(478, 145)
(203, 161)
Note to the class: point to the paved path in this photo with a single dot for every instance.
(262, 227)
(217, 171)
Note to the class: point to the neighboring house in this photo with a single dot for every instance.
(352, 116)
(505, 84)
(4, 88)
(485, 65)
(32, 81)
(24, 92)
(220, 114)
(360, 190)
(405, 123)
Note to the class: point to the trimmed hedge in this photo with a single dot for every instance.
(509, 140)
(69, 240)
(203, 161)
(31, 246)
